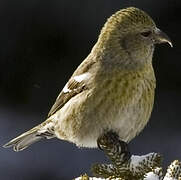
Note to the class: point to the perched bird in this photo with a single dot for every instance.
(109, 98)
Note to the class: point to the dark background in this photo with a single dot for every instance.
(41, 44)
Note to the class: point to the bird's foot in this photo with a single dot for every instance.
(116, 150)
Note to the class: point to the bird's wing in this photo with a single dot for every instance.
(74, 86)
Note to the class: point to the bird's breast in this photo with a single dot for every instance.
(129, 102)
(121, 103)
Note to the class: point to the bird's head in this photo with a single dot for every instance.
(130, 35)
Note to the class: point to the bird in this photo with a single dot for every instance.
(109, 98)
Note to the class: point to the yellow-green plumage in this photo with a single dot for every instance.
(112, 89)
(123, 104)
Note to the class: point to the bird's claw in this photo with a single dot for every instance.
(116, 150)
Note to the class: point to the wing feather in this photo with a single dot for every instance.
(71, 89)
(76, 84)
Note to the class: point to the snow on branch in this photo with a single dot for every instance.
(146, 167)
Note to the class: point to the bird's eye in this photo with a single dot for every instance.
(146, 33)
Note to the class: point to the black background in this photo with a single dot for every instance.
(41, 44)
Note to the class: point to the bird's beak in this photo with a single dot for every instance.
(161, 37)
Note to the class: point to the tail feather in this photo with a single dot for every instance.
(26, 139)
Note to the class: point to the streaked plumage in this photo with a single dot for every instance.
(112, 89)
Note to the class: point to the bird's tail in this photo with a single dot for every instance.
(44, 130)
